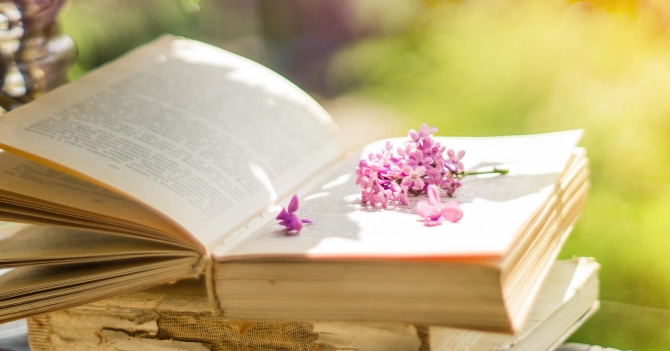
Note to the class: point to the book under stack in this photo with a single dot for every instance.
(179, 317)
(172, 163)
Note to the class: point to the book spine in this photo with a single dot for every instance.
(206, 267)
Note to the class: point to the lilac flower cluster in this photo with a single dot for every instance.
(387, 178)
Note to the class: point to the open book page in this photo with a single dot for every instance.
(34, 244)
(495, 208)
(42, 288)
(29, 189)
(203, 136)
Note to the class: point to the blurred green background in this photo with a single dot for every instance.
(475, 67)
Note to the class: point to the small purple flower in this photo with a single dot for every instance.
(455, 160)
(436, 173)
(413, 177)
(450, 184)
(399, 193)
(417, 158)
(424, 132)
(289, 219)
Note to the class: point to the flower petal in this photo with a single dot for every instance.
(419, 184)
(293, 205)
(431, 223)
(433, 195)
(426, 210)
(460, 155)
(283, 215)
(451, 154)
(296, 224)
(452, 211)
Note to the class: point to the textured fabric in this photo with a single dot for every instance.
(151, 328)
(86, 327)
(222, 335)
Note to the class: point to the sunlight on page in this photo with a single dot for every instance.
(497, 208)
(338, 181)
(263, 178)
(248, 73)
(317, 196)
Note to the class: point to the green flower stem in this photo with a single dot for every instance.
(462, 175)
(494, 171)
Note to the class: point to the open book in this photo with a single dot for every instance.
(172, 162)
(178, 316)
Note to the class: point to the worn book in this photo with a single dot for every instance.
(173, 162)
(178, 316)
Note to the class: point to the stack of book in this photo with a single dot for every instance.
(171, 164)
(179, 317)
(34, 54)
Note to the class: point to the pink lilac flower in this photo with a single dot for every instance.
(400, 193)
(388, 177)
(416, 157)
(413, 178)
(424, 132)
(454, 159)
(436, 174)
(434, 212)
(289, 219)
(449, 183)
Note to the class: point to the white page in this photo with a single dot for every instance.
(204, 136)
(494, 206)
